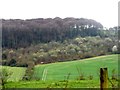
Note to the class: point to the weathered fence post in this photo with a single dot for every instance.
(103, 78)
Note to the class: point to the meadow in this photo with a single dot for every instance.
(78, 73)
(85, 67)
(58, 84)
(17, 73)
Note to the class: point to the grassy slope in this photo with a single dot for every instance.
(17, 73)
(90, 66)
(60, 70)
(57, 71)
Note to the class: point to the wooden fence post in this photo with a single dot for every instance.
(103, 78)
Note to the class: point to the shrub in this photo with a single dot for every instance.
(90, 77)
(114, 75)
(5, 74)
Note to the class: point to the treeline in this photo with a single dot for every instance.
(37, 41)
(22, 33)
(68, 50)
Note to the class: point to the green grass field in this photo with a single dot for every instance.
(17, 73)
(54, 75)
(86, 67)
(58, 84)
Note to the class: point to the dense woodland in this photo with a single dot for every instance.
(23, 33)
(37, 41)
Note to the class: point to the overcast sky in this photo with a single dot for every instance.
(103, 11)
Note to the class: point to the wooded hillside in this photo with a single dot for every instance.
(22, 33)
(35, 41)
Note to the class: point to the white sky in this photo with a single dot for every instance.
(103, 11)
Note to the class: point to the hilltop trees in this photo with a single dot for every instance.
(22, 33)
(50, 40)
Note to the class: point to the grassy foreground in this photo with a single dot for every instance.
(58, 84)
(55, 75)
